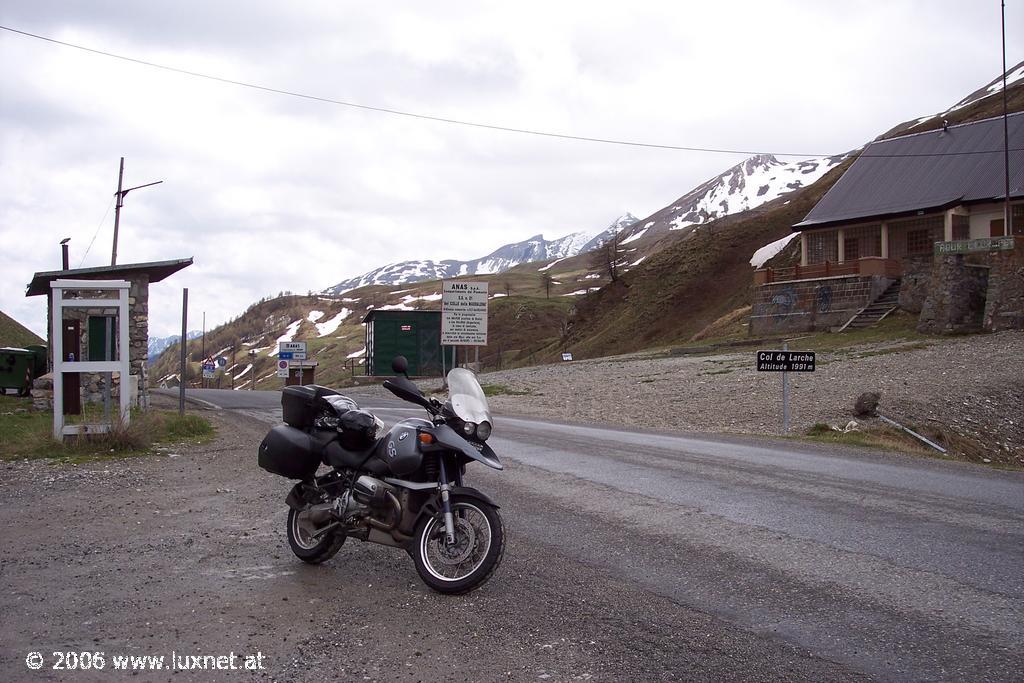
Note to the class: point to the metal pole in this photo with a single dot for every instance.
(1006, 137)
(785, 395)
(184, 325)
(204, 350)
(117, 212)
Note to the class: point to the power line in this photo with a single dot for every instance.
(460, 122)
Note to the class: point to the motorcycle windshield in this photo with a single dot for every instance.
(467, 398)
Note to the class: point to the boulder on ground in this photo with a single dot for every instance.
(867, 404)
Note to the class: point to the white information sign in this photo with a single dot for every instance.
(464, 313)
(296, 349)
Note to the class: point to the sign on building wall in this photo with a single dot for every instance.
(981, 244)
(464, 313)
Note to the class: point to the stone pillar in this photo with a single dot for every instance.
(840, 246)
(803, 249)
(947, 225)
(955, 303)
(885, 240)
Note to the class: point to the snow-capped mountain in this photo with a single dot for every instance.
(747, 185)
(158, 345)
(534, 249)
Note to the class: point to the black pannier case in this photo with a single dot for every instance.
(288, 452)
(300, 404)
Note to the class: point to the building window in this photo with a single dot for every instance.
(822, 246)
(862, 241)
(915, 237)
(1017, 211)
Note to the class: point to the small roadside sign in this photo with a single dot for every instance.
(209, 370)
(293, 350)
(566, 356)
(785, 361)
(282, 368)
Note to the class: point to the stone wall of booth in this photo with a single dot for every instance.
(806, 305)
(955, 303)
(917, 274)
(1004, 304)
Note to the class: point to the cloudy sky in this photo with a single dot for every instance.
(271, 192)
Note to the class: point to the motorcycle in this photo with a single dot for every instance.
(401, 488)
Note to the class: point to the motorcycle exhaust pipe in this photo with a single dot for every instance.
(396, 510)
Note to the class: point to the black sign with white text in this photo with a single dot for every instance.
(785, 361)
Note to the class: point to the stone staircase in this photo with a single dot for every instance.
(875, 311)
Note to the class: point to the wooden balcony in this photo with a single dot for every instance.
(865, 267)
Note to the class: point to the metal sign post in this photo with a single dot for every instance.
(785, 361)
(785, 394)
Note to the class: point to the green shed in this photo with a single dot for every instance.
(413, 334)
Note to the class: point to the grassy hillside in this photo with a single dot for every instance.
(13, 333)
(689, 284)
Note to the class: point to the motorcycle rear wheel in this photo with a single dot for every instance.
(475, 556)
(307, 548)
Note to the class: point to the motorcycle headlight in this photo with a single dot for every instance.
(469, 428)
(483, 431)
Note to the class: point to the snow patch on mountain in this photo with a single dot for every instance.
(157, 345)
(330, 326)
(769, 251)
(756, 181)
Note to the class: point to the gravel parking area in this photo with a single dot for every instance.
(971, 386)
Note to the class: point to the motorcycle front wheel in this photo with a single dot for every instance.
(308, 547)
(472, 559)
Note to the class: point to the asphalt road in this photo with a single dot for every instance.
(847, 563)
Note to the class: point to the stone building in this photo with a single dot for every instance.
(94, 328)
(918, 222)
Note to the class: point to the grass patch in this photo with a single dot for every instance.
(25, 434)
(884, 438)
(502, 390)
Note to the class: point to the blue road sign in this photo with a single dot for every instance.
(285, 355)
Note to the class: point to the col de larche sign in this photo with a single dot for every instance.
(464, 313)
(785, 361)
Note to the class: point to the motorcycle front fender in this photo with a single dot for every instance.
(433, 506)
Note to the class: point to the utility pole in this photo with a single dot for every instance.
(1008, 219)
(204, 349)
(184, 326)
(120, 194)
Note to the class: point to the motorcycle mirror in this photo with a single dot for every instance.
(400, 365)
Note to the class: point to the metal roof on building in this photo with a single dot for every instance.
(937, 169)
(156, 270)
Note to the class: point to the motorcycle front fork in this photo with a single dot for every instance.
(446, 506)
